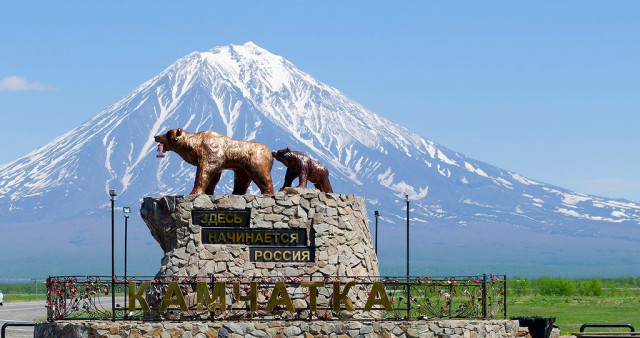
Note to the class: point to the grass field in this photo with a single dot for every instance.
(22, 292)
(23, 297)
(573, 311)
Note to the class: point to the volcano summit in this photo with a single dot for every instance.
(468, 216)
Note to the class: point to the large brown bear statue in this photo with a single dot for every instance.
(300, 164)
(212, 152)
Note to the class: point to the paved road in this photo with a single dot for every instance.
(22, 312)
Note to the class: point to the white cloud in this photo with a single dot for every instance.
(14, 83)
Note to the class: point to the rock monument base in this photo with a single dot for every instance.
(413, 328)
(289, 236)
(336, 235)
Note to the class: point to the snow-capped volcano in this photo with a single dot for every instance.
(245, 92)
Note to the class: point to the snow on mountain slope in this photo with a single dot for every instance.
(248, 93)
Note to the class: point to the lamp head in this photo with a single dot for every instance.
(376, 213)
(112, 192)
(126, 210)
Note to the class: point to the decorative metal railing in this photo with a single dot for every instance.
(277, 298)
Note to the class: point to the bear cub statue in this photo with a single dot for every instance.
(300, 164)
(212, 152)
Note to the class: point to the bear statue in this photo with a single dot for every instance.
(300, 164)
(212, 152)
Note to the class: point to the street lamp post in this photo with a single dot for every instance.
(377, 214)
(126, 210)
(35, 280)
(408, 283)
(407, 199)
(113, 194)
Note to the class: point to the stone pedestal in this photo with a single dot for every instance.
(336, 228)
(416, 328)
(309, 236)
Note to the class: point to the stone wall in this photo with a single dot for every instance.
(417, 328)
(336, 226)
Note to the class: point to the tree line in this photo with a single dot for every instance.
(550, 286)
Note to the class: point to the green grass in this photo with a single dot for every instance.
(573, 311)
(23, 297)
(22, 292)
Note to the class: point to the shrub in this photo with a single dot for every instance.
(592, 287)
(556, 286)
(520, 286)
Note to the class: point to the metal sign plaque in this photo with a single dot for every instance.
(281, 254)
(266, 237)
(223, 218)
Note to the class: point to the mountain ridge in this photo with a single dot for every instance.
(245, 92)
(239, 73)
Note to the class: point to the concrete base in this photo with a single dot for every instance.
(416, 328)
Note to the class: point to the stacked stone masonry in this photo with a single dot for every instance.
(336, 225)
(408, 329)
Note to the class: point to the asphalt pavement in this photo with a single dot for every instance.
(22, 312)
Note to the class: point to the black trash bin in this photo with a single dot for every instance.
(538, 327)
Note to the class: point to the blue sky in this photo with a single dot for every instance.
(548, 89)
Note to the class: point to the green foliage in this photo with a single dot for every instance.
(595, 287)
(24, 288)
(20, 292)
(518, 286)
(592, 287)
(626, 283)
(556, 286)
